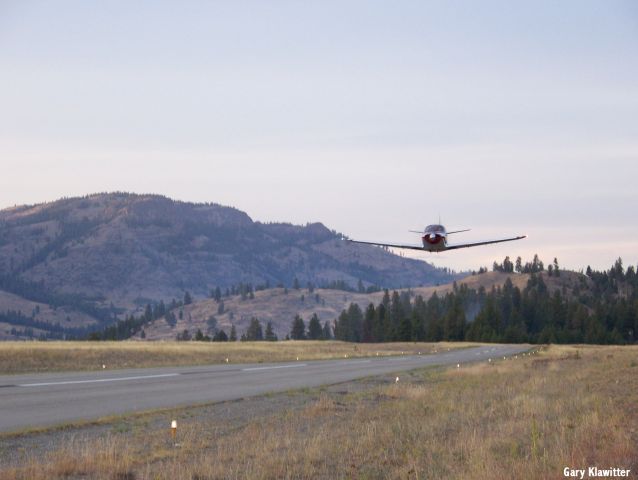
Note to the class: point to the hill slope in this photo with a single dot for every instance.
(280, 306)
(107, 254)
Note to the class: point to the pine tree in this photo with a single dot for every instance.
(298, 329)
(354, 323)
(404, 330)
(454, 321)
(187, 298)
(433, 324)
(485, 326)
(418, 319)
(508, 267)
(341, 326)
(314, 328)
(171, 319)
(378, 326)
(367, 334)
(254, 332)
(326, 334)
(270, 334)
(396, 315)
(386, 298)
(220, 336)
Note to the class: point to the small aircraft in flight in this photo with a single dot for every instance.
(434, 239)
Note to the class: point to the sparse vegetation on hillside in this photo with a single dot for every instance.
(538, 307)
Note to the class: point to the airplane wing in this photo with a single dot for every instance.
(466, 245)
(413, 247)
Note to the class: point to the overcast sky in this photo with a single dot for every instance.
(371, 117)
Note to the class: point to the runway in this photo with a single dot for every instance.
(49, 399)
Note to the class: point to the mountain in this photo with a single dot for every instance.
(109, 254)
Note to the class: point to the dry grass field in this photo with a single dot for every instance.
(28, 357)
(526, 417)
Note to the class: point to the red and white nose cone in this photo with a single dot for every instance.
(432, 238)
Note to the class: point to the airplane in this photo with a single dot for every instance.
(435, 240)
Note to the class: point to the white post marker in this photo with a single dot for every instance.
(397, 380)
(173, 429)
(103, 366)
(458, 365)
(226, 360)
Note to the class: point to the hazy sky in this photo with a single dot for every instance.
(371, 117)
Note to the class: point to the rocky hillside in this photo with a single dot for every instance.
(108, 254)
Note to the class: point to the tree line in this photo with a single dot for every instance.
(602, 307)
(599, 307)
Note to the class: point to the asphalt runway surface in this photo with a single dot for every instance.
(38, 400)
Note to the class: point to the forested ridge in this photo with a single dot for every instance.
(597, 307)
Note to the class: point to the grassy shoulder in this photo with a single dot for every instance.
(526, 417)
(35, 357)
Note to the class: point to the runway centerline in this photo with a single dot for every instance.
(252, 369)
(98, 380)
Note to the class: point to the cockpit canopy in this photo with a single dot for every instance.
(435, 229)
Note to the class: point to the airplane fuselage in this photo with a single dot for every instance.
(434, 238)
